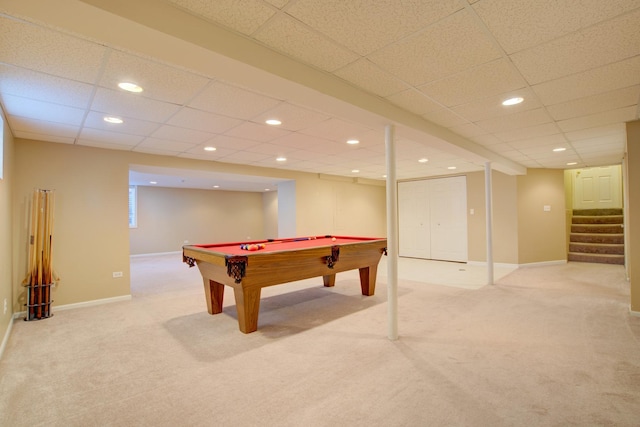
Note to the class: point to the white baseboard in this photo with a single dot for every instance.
(634, 313)
(544, 263)
(91, 303)
(5, 339)
(495, 264)
(155, 254)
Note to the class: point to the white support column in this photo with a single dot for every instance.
(392, 234)
(489, 221)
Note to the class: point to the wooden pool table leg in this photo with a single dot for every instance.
(368, 279)
(329, 280)
(214, 294)
(248, 306)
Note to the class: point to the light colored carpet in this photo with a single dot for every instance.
(545, 346)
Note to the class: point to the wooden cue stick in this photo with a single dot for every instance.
(40, 253)
(32, 256)
(293, 239)
(47, 251)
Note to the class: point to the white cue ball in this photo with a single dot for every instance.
(333, 239)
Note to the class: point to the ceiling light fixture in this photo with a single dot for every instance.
(209, 148)
(273, 122)
(114, 120)
(281, 159)
(559, 149)
(452, 168)
(353, 142)
(512, 101)
(423, 160)
(216, 186)
(153, 182)
(572, 163)
(130, 87)
(355, 171)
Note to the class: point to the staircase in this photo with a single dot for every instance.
(597, 236)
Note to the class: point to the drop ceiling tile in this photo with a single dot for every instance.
(612, 140)
(43, 87)
(95, 120)
(199, 152)
(596, 46)
(165, 145)
(444, 117)
(95, 136)
(232, 101)
(26, 125)
(518, 25)
(244, 16)
(528, 132)
(119, 103)
(625, 114)
(557, 140)
(44, 137)
(491, 107)
(367, 26)
(521, 119)
(449, 46)
(489, 79)
(248, 157)
(223, 141)
(617, 129)
(604, 79)
(336, 130)
(414, 101)
(278, 3)
(469, 130)
(203, 121)
(28, 108)
(105, 145)
(487, 140)
(366, 75)
(47, 51)
(174, 133)
(159, 81)
(257, 132)
(612, 100)
(293, 117)
(298, 41)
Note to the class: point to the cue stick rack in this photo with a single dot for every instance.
(40, 275)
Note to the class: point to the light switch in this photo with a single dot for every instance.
(472, 211)
(547, 208)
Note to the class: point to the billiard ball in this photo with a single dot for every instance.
(333, 239)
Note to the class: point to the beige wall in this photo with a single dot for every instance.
(7, 278)
(632, 221)
(541, 235)
(169, 216)
(91, 235)
(505, 217)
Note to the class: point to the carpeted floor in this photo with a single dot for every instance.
(545, 346)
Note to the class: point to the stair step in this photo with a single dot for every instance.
(597, 248)
(617, 238)
(597, 228)
(595, 219)
(597, 258)
(579, 212)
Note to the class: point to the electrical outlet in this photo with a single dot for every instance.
(117, 274)
(5, 306)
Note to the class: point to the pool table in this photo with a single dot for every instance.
(279, 261)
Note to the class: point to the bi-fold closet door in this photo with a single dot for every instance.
(432, 219)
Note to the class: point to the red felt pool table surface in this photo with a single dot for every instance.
(280, 261)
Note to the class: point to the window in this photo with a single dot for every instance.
(133, 206)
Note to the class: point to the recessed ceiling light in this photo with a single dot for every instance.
(114, 120)
(130, 87)
(423, 160)
(355, 171)
(153, 182)
(209, 148)
(281, 159)
(559, 149)
(572, 163)
(512, 101)
(216, 186)
(353, 141)
(452, 168)
(273, 122)
(266, 189)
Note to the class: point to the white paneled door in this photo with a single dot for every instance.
(414, 233)
(432, 219)
(597, 188)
